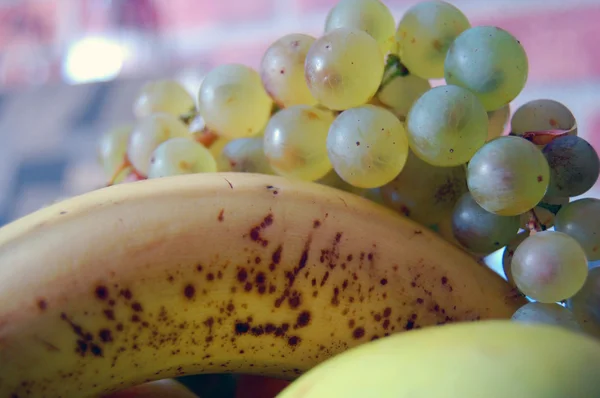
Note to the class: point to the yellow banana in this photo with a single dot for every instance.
(487, 359)
(217, 273)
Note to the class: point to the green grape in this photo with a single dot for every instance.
(549, 266)
(446, 126)
(374, 195)
(244, 155)
(233, 101)
(112, 150)
(180, 155)
(282, 70)
(543, 215)
(547, 313)
(295, 142)
(497, 121)
(424, 35)
(400, 93)
(423, 192)
(586, 303)
(574, 166)
(508, 254)
(343, 68)
(580, 219)
(479, 230)
(508, 176)
(367, 146)
(371, 16)
(163, 96)
(149, 133)
(490, 62)
(333, 180)
(542, 115)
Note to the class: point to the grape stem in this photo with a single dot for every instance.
(534, 224)
(393, 68)
(126, 165)
(544, 137)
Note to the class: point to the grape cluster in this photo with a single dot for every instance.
(354, 109)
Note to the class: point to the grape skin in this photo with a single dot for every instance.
(574, 166)
(497, 122)
(549, 266)
(282, 70)
(508, 254)
(586, 303)
(580, 219)
(400, 93)
(424, 35)
(178, 156)
(547, 313)
(163, 96)
(490, 62)
(367, 146)
(371, 16)
(542, 115)
(446, 126)
(479, 230)
(149, 133)
(295, 142)
(423, 192)
(112, 150)
(233, 101)
(244, 155)
(508, 176)
(343, 68)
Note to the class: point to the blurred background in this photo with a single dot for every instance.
(69, 69)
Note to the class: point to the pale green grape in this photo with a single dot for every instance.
(343, 68)
(424, 35)
(149, 133)
(371, 16)
(423, 192)
(542, 115)
(333, 180)
(547, 313)
(178, 156)
(574, 166)
(544, 216)
(112, 151)
(586, 303)
(282, 70)
(446, 126)
(490, 62)
(549, 266)
(479, 230)
(580, 219)
(497, 121)
(508, 176)
(163, 96)
(233, 101)
(367, 146)
(244, 155)
(508, 254)
(295, 142)
(400, 93)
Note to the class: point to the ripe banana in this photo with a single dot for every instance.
(487, 359)
(217, 273)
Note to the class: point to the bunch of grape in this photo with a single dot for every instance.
(354, 109)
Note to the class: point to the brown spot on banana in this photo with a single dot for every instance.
(130, 297)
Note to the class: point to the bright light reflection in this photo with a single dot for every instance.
(93, 59)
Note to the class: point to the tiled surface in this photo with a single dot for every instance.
(49, 133)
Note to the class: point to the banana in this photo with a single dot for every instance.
(487, 359)
(212, 273)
